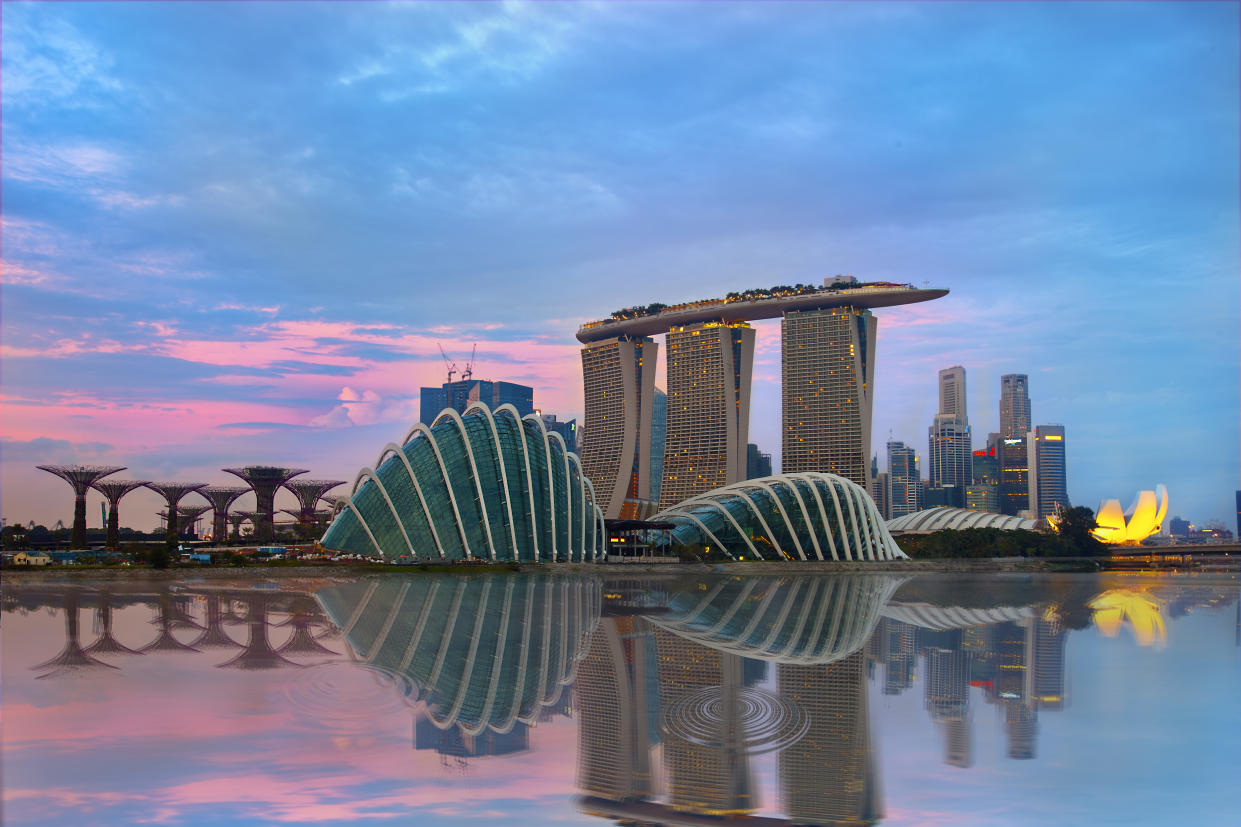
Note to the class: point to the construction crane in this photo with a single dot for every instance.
(452, 366)
(469, 366)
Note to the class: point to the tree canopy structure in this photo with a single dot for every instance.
(265, 480)
(221, 497)
(80, 477)
(112, 491)
(173, 492)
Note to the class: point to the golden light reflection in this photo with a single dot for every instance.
(1143, 612)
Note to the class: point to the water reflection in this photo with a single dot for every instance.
(694, 700)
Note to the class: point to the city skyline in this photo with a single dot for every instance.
(202, 269)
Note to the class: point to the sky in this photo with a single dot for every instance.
(238, 233)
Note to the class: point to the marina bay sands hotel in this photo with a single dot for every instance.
(827, 388)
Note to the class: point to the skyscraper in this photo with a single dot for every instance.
(828, 358)
(1047, 478)
(904, 480)
(619, 379)
(659, 431)
(458, 396)
(1014, 405)
(757, 464)
(949, 457)
(1013, 451)
(710, 367)
(828, 777)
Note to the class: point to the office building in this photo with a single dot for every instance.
(757, 464)
(983, 496)
(619, 379)
(949, 454)
(659, 431)
(904, 481)
(1046, 475)
(986, 465)
(879, 489)
(567, 430)
(827, 358)
(1014, 476)
(1014, 405)
(458, 396)
(710, 367)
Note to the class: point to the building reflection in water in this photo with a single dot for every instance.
(677, 685)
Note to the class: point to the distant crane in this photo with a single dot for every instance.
(452, 366)
(469, 366)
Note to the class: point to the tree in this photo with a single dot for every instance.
(1075, 525)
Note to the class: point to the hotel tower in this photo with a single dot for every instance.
(619, 379)
(828, 357)
(710, 367)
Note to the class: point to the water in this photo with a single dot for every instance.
(812, 699)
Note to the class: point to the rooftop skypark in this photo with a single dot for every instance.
(755, 303)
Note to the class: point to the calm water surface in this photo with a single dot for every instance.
(813, 699)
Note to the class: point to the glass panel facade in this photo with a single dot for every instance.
(523, 487)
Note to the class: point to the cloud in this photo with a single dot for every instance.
(47, 450)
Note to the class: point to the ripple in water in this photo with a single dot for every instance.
(343, 696)
(768, 722)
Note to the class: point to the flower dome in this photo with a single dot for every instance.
(473, 486)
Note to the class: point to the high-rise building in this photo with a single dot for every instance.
(659, 432)
(904, 480)
(1047, 479)
(879, 489)
(458, 396)
(710, 367)
(986, 465)
(709, 775)
(1014, 475)
(828, 358)
(614, 748)
(828, 776)
(757, 464)
(1014, 405)
(567, 430)
(949, 454)
(983, 496)
(618, 375)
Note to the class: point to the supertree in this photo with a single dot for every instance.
(80, 477)
(253, 517)
(237, 519)
(308, 493)
(221, 497)
(258, 652)
(112, 491)
(265, 480)
(214, 635)
(107, 644)
(172, 493)
(187, 516)
(72, 657)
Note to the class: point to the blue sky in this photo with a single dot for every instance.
(237, 232)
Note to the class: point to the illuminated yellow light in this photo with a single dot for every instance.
(1143, 518)
(1143, 613)
(1053, 437)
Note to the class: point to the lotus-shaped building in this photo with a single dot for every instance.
(1143, 518)
(473, 486)
(807, 516)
